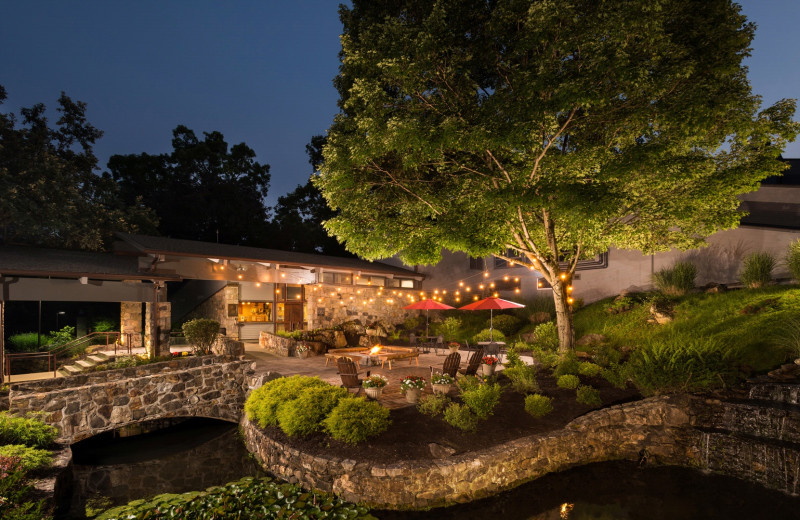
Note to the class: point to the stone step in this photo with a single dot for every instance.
(100, 357)
(69, 370)
(85, 363)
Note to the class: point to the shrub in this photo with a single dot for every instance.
(449, 328)
(25, 342)
(546, 336)
(461, 417)
(523, 379)
(614, 375)
(29, 458)
(104, 325)
(483, 399)
(793, 259)
(546, 358)
(513, 358)
(29, 431)
(433, 404)
(201, 334)
(263, 404)
(15, 493)
(467, 383)
(250, 497)
(607, 354)
(588, 369)
(305, 414)
(484, 335)
(506, 324)
(57, 338)
(588, 395)
(676, 280)
(568, 364)
(675, 365)
(538, 405)
(356, 419)
(757, 270)
(568, 381)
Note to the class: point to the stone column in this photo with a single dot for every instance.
(231, 296)
(131, 322)
(158, 329)
(2, 341)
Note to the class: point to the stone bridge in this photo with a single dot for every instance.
(85, 405)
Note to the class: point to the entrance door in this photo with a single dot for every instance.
(293, 316)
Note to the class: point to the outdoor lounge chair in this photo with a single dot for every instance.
(348, 371)
(450, 365)
(474, 363)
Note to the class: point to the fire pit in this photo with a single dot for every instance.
(379, 354)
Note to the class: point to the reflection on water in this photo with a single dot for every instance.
(191, 456)
(621, 491)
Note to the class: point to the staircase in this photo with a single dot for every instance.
(83, 364)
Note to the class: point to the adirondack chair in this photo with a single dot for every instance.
(348, 371)
(474, 363)
(450, 365)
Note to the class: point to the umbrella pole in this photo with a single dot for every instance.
(427, 317)
(491, 325)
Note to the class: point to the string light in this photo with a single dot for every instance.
(461, 284)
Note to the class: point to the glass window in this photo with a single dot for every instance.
(336, 278)
(477, 263)
(401, 283)
(294, 293)
(377, 281)
(255, 312)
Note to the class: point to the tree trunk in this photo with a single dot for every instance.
(566, 328)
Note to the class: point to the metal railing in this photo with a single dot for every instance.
(120, 342)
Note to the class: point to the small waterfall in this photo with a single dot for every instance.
(706, 446)
(782, 393)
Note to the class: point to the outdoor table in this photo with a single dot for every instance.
(500, 344)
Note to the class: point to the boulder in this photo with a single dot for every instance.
(539, 317)
(339, 339)
(591, 339)
(714, 288)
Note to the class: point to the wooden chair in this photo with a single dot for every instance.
(474, 363)
(348, 371)
(450, 365)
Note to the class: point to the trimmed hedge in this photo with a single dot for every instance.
(356, 419)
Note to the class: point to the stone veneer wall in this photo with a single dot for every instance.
(216, 308)
(325, 311)
(162, 328)
(131, 322)
(85, 405)
(277, 345)
(667, 427)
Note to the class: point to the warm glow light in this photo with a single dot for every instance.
(458, 292)
(480, 286)
(491, 285)
(240, 277)
(319, 300)
(458, 299)
(277, 291)
(511, 264)
(258, 284)
(569, 288)
(486, 274)
(283, 275)
(495, 295)
(461, 284)
(570, 300)
(436, 291)
(563, 276)
(516, 290)
(516, 278)
(531, 268)
(469, 289)
(475, 297)
(565, 509)
(374, 350)
(505, 278)
(358, 291)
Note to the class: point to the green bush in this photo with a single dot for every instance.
(588, 369)
(247, 498)
(433, 404)
(757, 270)
(614, 375)
(356, 419)
(449, 328)
(606, 354)
(523, 379)
(305, 414)
(588, 395)
(461, 417)
(676, 280)
(483, 399)
(263, 404)
(538, 405)
(467, 383)
(485, 336)
(568, 364)
(201, 334)
(546, 336)
(30, 458)
(104, 325)
(29, 431)
(513, 358)
(506, 324)
(15, 493)
(676, 365)
(60, 337)
(793, 259)
(25, 342)
(568, 381)
(546, 358)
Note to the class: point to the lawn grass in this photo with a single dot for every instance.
(760, 336)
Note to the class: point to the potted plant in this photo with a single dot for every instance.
(373, 385)
(488, 364)
(412, 386)
(302, 350)
(441, 382)
(453, 346)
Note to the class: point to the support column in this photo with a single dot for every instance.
(2, 341)
(158, 317)
(131, 322)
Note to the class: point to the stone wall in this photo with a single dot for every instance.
(723, 437)
(216, 308)
(131, 322)
(162, 328)
(277, 345)
(326, 309)
(85, 405)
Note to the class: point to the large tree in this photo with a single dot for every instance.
(51, 193)
(299, 215)
(555, 129)
(202, 190)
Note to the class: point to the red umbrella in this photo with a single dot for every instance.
(428, 305)
(492, 304)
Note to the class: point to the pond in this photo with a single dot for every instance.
(192, 455)
(622, 491)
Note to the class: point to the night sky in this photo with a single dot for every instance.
(260, 72)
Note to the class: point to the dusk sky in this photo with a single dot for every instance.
(260, 72)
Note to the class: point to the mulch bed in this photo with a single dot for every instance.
(411, 432)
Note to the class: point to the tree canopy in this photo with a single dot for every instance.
(554, 129)
(202, 190)
(51, 194)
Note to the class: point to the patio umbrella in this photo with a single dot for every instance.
(492, 304)
(428, 305)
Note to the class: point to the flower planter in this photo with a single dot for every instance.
(373, 392)
(440, 389)
(488, 370)
(453, 350)
(412, 395)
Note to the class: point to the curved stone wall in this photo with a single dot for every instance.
(83, 406)
(680, 430)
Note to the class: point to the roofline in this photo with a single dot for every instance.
(93, 275)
